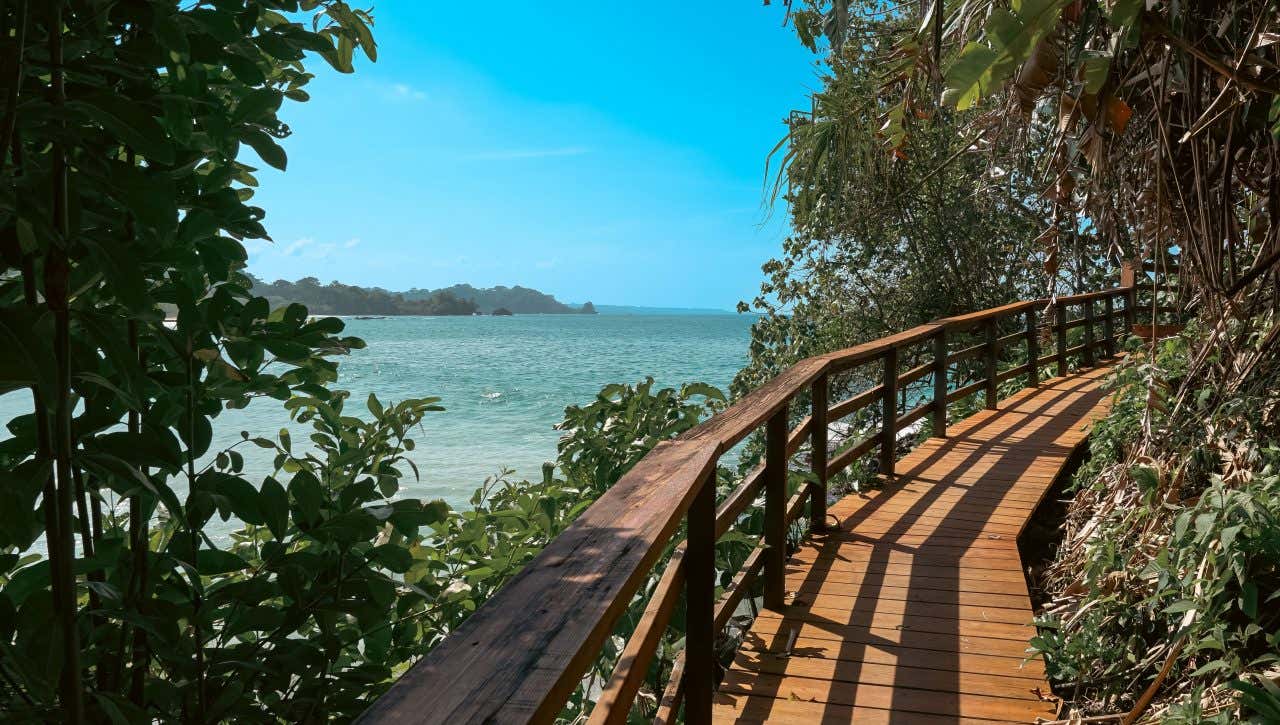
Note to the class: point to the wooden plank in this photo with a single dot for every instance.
(854, 403)
(841, 592)
(738, 587)
(851, 454)
(1012, 682)
(936, 556)
(940, 384)
(700, 600)
(889, 414)
(914, 414)
(523, 661)
(938, 580)
(730, 426)
(746, 709)
(893, 697)
(818, 397)
(834, 609)
(739, 500)
(967, 321)
(942, 503)
(965, 391)
(673, 696)
(915, 623)
(834, 567)
(961, 641)
(758, 650)
(858, 354)
(633, 663)
(775, 519)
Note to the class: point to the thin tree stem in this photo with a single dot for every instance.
(56, 280)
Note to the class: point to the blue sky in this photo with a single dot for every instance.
(613, 155)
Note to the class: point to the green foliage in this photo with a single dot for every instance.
(605, 438)
(124, 195)
(1010, 37)
(1177, 555)
(883, 239)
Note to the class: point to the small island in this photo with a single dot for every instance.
(336, 298)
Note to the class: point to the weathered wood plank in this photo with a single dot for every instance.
(750, 709)
(520, 655)
(833, 653)
(894, 697)
(1016, 683)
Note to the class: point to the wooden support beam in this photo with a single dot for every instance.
(1130, 310)
(940, 384)
(775, 503)
(1109, 327)
(1060, 316)
(818, 454)
(889, 431)
(989, 357)
(1033, 349)
(700, 598)
(1088, 334)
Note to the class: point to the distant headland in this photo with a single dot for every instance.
(336, 298)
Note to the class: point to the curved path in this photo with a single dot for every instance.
(916, 610)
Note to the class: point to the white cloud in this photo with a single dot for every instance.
(514, 154)
(297, 246)
(351, 243)
(405, 92)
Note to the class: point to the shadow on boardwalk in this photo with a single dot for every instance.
(915, 609)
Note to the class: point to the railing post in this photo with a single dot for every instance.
(989, 356)
(940, 384)
(889, 431)
(818, 455)
(1088, 333)
(775, 504)
(1109, 327)
(1129, 280)
(700, 595)
(1060, 319)
(1033, 349)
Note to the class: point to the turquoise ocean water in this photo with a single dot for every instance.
(504, 381)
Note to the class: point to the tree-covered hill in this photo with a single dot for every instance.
(336, 298)
(520, 300)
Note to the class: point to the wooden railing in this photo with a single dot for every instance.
(522, 654)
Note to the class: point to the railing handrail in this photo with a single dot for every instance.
(521, 654)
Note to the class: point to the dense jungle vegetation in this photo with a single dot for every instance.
(957, 155)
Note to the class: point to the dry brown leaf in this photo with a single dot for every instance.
(1118, 114)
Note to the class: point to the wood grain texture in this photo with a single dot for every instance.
(915, 609)
(520, 655)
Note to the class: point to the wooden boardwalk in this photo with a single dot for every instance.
(916, 610)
